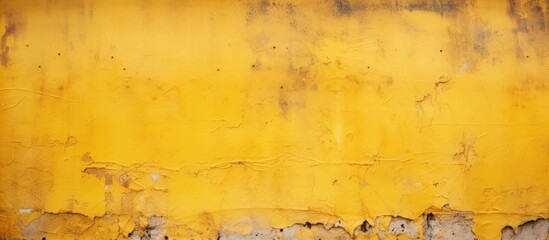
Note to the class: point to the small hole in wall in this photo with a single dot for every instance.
(39, 66)
(402, 225)
(527, 56)
(440, 50)
(129, 234)
(112, 57)
(368, 67)
(308, 224)
(43, 238)
(274, 47)
(124, 69)
(281, 87)
(58, 54)
(218, 69)
(281, 230)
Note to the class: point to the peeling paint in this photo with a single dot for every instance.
(265, 119)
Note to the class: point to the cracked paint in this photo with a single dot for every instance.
(332, 119)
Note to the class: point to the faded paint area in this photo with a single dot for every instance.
(198, 119)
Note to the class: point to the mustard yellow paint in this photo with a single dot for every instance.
(282, 112)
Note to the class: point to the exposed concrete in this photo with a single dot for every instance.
(448, 227)
(538, 229)
(153, 231)
(445, 226)
(296, 231)
(403, 226)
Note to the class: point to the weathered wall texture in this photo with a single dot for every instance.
(207, 119)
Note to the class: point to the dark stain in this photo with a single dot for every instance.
(290, 9)
(255, 9)
(441, 7)
(342, 8)
(10, 30)
(533, 20)
(283, 104)
(264, 6)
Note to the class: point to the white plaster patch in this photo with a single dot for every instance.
(155, 176)
(24, 210)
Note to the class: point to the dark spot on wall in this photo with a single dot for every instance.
(430, 217)
(342, 7)
(86, 157)
(365, 226)
(389, 81)
(257, 65)
(58, 54)
(308, 224)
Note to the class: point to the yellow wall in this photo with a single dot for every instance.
(207, 112)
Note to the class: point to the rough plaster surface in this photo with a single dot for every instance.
(536, 229)
(448, 226)
(209, 112)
